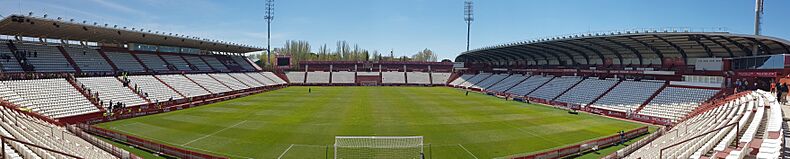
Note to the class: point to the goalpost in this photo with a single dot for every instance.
(378, 147)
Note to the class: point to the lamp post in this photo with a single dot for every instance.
(468, 18)
(269, 17)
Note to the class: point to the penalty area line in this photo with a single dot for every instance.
(212, 134)
(286, 151)
(467, 151)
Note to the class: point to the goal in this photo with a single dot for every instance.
(378, 147)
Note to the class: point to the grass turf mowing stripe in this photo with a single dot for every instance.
(489, 127)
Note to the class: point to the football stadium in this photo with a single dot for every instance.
(80, 89)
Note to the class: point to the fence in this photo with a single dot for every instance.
(586, 146)
(146, 144)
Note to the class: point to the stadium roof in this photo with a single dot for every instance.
(630, 48)
(59, 29)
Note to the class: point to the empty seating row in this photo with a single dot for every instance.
(507, 83)
(266, 81)
(177, 62)
(475, 79)
(111, 90)
(7, 59)
(45, 58)
(246, 80)
(54, 98)
(439, 77)
(125, 61)
(529, 85)
(277, 80)
(418, 78)
(243, 62)
(231, 82)
(295, 77)
(88, 60)
(627, 96)
(676, 102)
(488, 82)
(209, 83)
(198, 63)
(458, 81)
(40, 133)
(343, 77)
(318, 77)
(216, 64)
(153, 62)
(554, 87)
(153, 89)
(393, 77)
(183, 85)
(585, 92)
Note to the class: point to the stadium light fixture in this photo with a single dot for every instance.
(30, 14)
(269, 18)
(45, 15)
(468, 17)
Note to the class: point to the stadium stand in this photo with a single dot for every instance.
(198, 63)
(88, 60)
(7, 59)
(214, 63)
(675, 102)
(318, 77)
(627, 96)
(177, 61)
(507, 83)
(711, 134)
(44, 58)
(277, 80)
(125, 61)
(153, 89)
(209, 83)
(488, 82)
(153, 62)
(246, 80)
(41, 133)
(183, 85)
(229, 81)
(555, 87)
(54, 98)
(421, 78)
(393, 77)
(585, 92)
(343, 77)
(458, 81)
(529, 85)
(296, 77)
(475, 79)
(439, 78)
(261, 78)
(111, 90)
(242, 61)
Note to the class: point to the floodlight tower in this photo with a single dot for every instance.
(269, 17)
(468, 18)
(758, 16)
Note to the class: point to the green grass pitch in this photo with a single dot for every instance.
(292, 123)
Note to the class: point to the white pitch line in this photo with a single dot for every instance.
(138, 135)
(205, 136)
(286, 151)
(467, 151)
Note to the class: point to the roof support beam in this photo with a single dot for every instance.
(720, 45)
(526, 49)
(614, 51)
(600, 55)
(524, 58)
(762, 45)
(540, 50)
(633, 50)
(739, 45)
(678, 48)
(656, 51)
(586, 58)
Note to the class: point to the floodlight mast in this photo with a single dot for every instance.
(468, 17)
(758, 16)
(269, 17)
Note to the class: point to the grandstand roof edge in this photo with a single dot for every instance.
(28, 26)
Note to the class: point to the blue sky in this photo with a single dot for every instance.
(407, 26)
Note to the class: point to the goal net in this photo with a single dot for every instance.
(378, 147)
